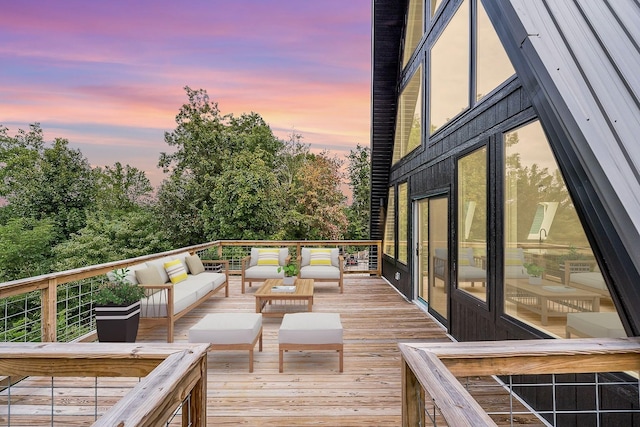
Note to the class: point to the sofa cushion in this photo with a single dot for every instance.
(149, 276)
(591, 279)
(319, 272)
(305, 255)
(183, 258)
(195, 264)
(176, 271)
(263, 272)
(283, 253)
(268, 257)
(320, 257)
(185, 293)
(131, 273)
(159, 264)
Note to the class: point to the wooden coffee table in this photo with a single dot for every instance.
(285, 302)
(550, 299)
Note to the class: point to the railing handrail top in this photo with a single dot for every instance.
(61, 277)
(489, 349)
(95, 350)
(71, 275)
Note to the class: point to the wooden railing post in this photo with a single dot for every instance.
(412, 401)
(198, 403)
(49, 302)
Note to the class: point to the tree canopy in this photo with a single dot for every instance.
(226, 177)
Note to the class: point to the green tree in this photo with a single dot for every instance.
(319, 213)
(109, 237)
(25, 248)
(359, 181)
(40, 182)
(122, 188)
(245, 200)
(208, 145)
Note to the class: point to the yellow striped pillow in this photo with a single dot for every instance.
(320, 257)
(175, 270)
(268, 257)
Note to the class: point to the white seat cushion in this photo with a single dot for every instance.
(320, 272)
(592, 280)
(263, 272)
(597, 325)
(310, 328)
(227, 328)
(185, 293)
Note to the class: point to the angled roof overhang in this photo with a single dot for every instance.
(578, 60)
(387, 26)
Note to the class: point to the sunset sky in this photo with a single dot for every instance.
(109, 75)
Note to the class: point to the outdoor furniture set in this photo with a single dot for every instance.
(176, 284)
(298, 331)
(319, 264)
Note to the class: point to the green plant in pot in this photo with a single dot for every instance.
(535, 273)
(290, 272)
(117, 308)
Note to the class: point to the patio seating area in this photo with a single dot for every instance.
(311, 390)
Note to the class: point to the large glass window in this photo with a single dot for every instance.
(403, 227)
(472, 223)
(409, 122)
(389, 246)
(492, 63)
(414, 28)
(450, 70)
(551, 278)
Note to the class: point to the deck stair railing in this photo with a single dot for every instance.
(435, 378)
(169, 387)
(58, 307)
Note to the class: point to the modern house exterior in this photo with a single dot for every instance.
(505, 164)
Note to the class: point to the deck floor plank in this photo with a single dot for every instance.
(311, 391)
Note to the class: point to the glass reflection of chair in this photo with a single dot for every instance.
(514, 264)
(468, 271)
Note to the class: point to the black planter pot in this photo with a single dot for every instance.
(118, 324)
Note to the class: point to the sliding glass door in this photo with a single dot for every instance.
(432, 275)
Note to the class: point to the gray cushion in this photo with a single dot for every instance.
(310, 328)
(282, 258)
(320, 272)
(227, 328)
(159, 264)
(148, 276)
(263, 272)
(305, 254)
(195, 264)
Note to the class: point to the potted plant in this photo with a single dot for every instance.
(535, 273)
(290, 272)
(117, 308)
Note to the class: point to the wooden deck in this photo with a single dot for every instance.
(311, 391)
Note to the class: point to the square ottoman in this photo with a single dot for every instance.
(310, 331)
(229, 331)
(595, 325)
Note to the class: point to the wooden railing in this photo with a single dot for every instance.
(431, 371)
(173, 378)
(47, 314)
